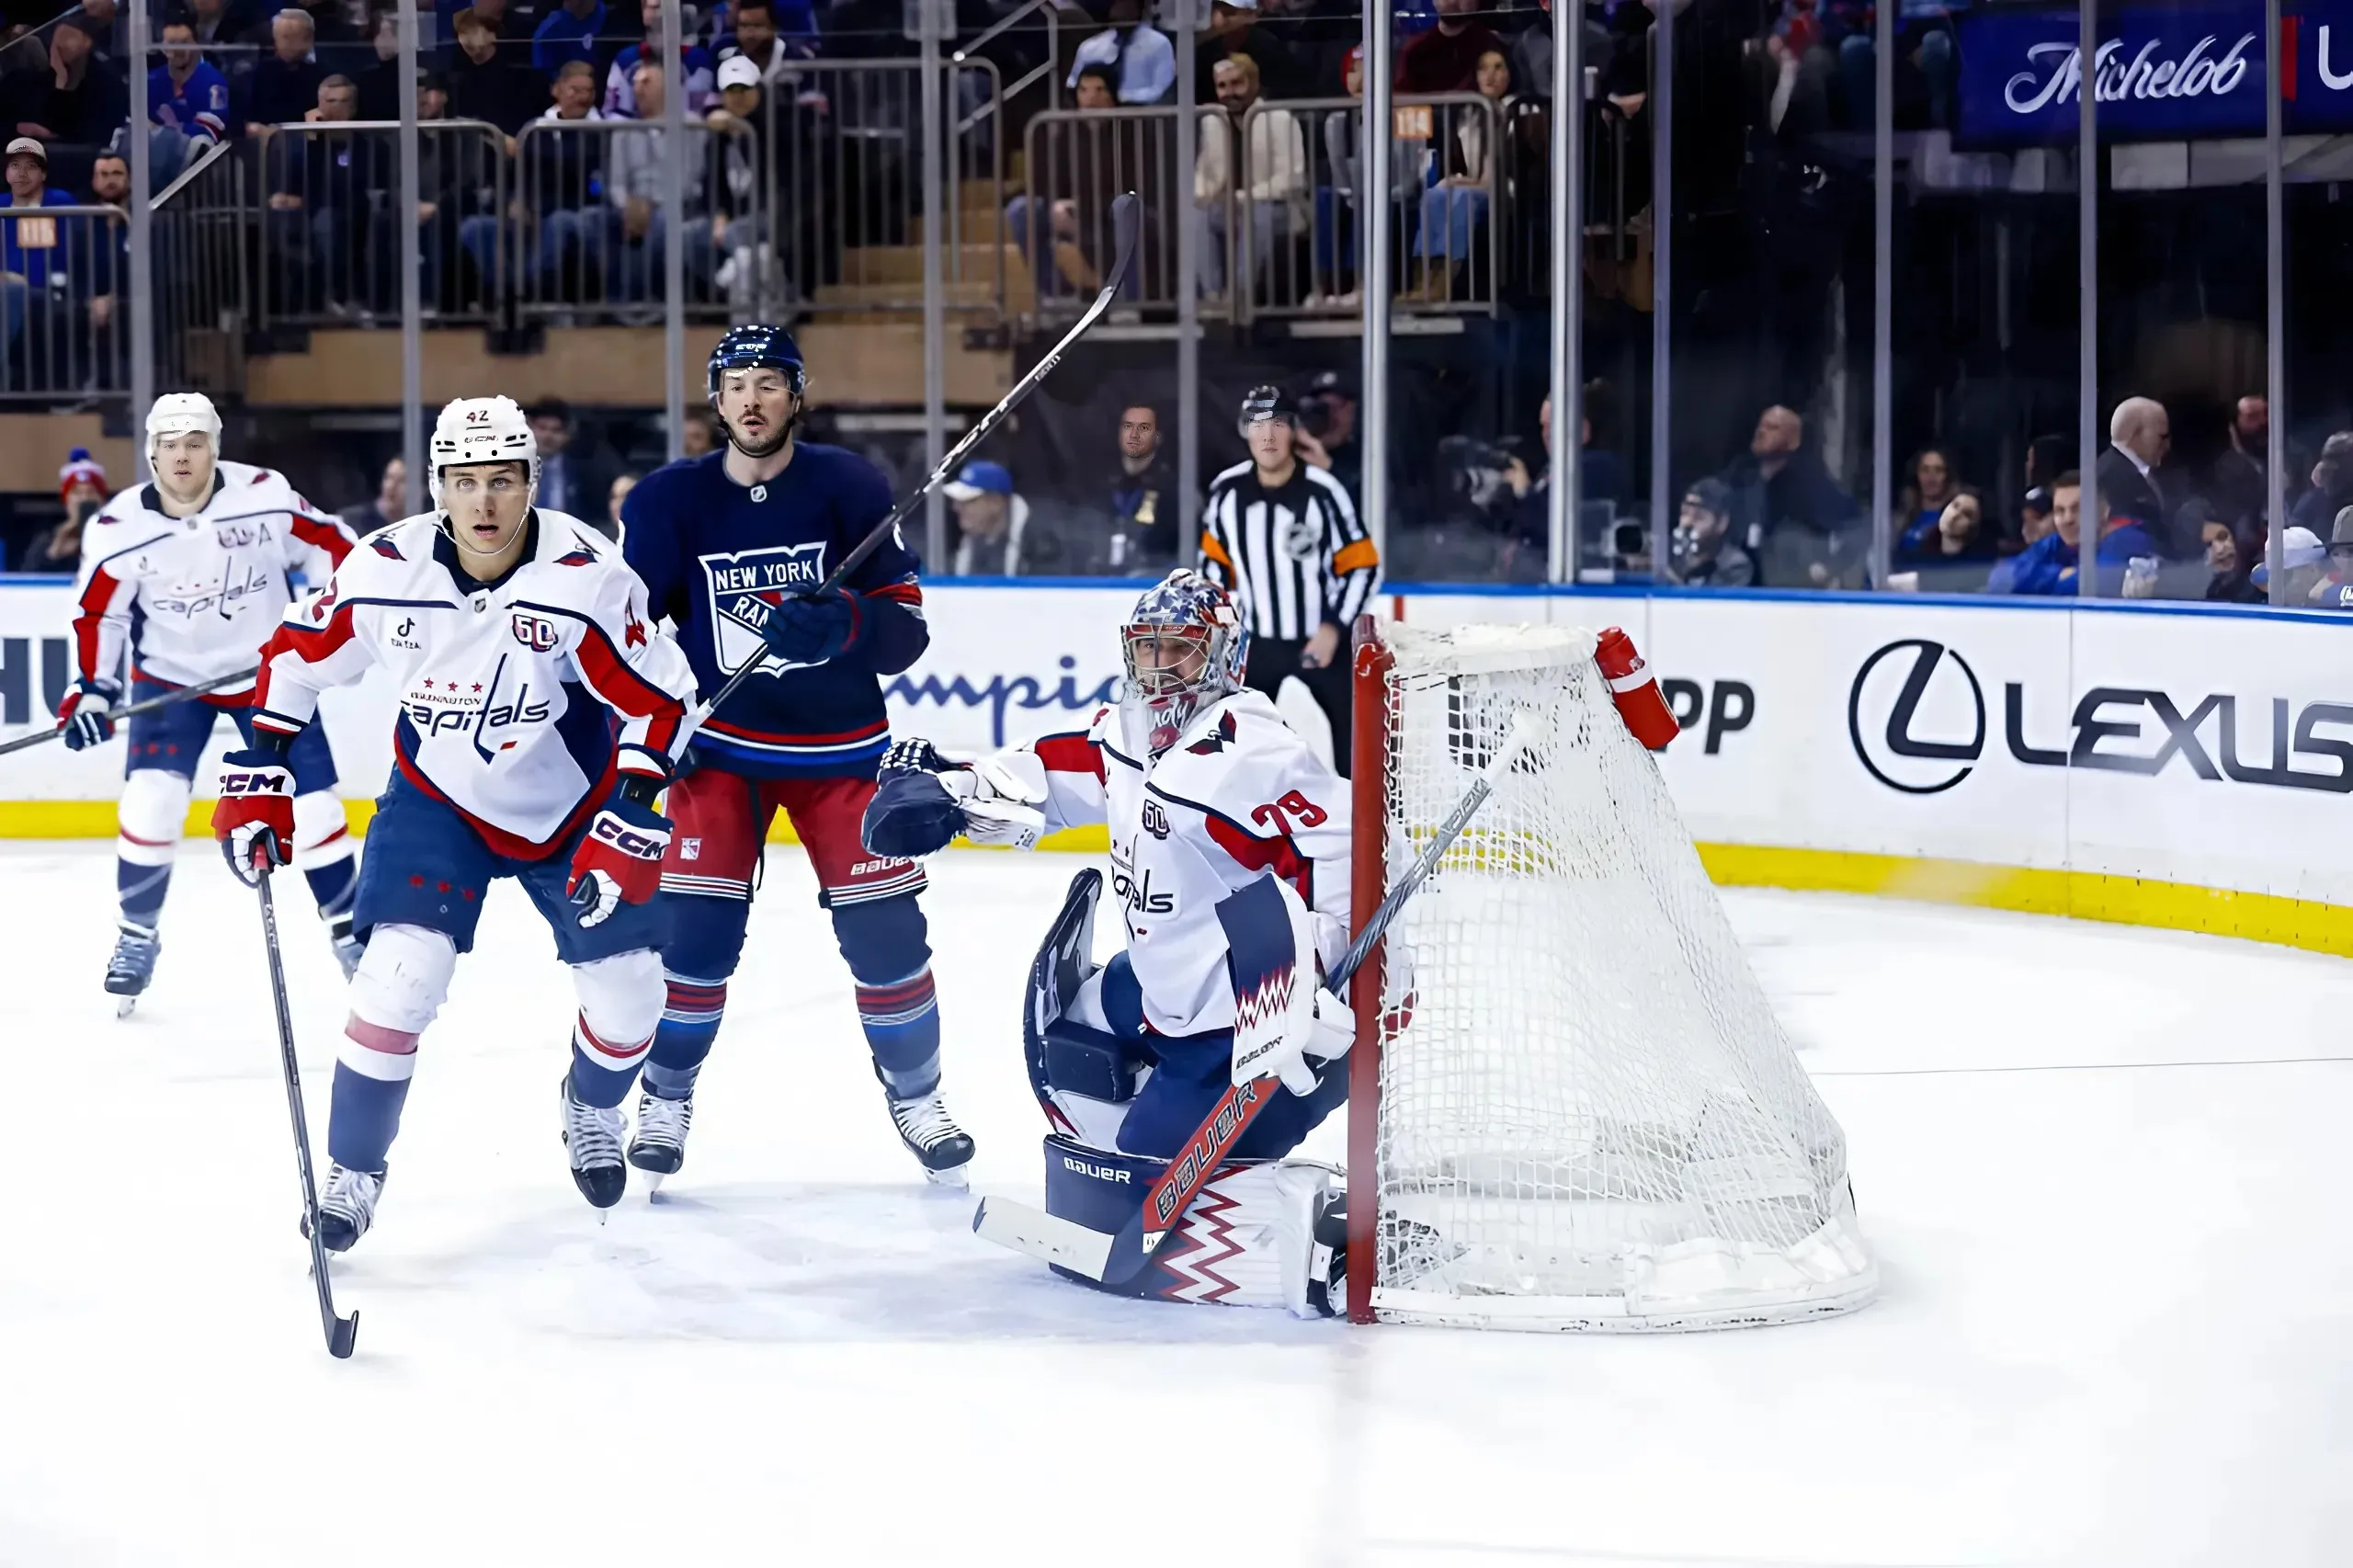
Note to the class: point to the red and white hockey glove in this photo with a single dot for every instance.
(619, 857)
(255, 818)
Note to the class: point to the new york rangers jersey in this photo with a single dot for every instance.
(504, 687)
(206, 589)
(1238, 794)
(713, 553)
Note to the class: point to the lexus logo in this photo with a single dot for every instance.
(1884, 704)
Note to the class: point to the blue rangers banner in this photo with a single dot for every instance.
(2164, 73)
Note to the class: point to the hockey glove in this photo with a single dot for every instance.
(923, 801)
(255, 818)
(619, 857)
(1007, 791)
(83, 714)
(812, 630)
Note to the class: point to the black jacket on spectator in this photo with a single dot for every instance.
(378, 91)
(1435, 62)
(2240, 489)
(86, 115)
(1803, 494)
(2126, 493)
(508, 95)
(1143, 512)
(279, 94)
(559, 166)
(242, 21)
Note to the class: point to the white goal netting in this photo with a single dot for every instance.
(1592, 1120)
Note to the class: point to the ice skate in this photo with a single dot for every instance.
(133, 966)
(347, 1207)
(932, 1136)
(659, 1145)
(592, 1138)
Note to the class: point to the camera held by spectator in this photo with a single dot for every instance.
(1701, 552)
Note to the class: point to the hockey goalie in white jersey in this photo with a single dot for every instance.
(1206, 791)
(203, 558)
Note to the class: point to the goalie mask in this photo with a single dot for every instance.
(1183, 648)
(481, 430)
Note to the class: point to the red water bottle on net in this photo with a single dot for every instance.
(1634, 689)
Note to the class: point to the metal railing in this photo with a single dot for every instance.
(201, 234)
(329, 240)
(1610, 232)
(1077, 160)
(1051, 70)
(64, 305)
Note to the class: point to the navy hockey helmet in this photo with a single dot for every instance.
(754, 346)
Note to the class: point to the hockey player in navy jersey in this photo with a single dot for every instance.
(733, 547)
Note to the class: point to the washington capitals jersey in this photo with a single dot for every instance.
(206, 590)
(508, 690)
(713, 553)
(1237, 795)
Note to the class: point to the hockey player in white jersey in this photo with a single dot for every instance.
(1207, 791)
(515, 638)
(203, 557)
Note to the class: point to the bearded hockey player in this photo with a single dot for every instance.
(733, 548)
(190, 573)
(1207, 792)
(540, 714)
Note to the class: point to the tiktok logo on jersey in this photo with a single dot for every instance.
(744, 587)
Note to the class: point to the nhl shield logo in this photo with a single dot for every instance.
(745, 586)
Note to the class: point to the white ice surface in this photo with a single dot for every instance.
(2116, 1324)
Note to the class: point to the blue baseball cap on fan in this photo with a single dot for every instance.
(978, 479)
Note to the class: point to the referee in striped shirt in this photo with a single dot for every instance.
(1282, 537)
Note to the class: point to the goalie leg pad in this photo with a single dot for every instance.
(1247, 1241)
(1193, 1074)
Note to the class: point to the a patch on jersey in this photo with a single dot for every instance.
(633, 630)
(1303, 538)
(580, 554)
(1215, 740)
(745, 586)
(536, 632)
(386, 548)
(1156, 820)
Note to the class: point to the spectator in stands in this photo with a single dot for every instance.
(1043, 226)
(35, 260)
(756, 38)
(228, 22)
(2034, 514)
(1140, 55)
(82, 484)
(2241, 485)
(2332, 488)
(620, 82)
(698, 438)
(284, 86)
(1446, 58)
(1531, 54)
(81, 101)
(1276, 202)
(1787, 512)
(318, 204)
(1600, 477)
(1938, 519)
(2130, 485)
(187, 93)
(2049, 567)
(2305, 562)
(485, 85)
(510, 34)
(1702, 553)
(1143, 498)
(1281, 70)
(575, 475)
(390, 504)
(1455, 209)
(737, 226)
(567, 32)
(561, 170)
(616, 496)
(104, 257)
(634, 186)
(993, 537)
(1325, 434)
(1342, 130)
(2332, 589)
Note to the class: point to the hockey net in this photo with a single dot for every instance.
(1572, 1106)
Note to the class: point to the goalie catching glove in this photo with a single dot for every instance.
(619, 857)
(921, 801)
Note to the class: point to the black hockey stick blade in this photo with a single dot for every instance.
(179, 695)
(342, 1335)
(1126, 224)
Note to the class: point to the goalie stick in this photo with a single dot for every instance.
(1116, 1258)
(1125, 220)
(341, 1332)
(117, 715)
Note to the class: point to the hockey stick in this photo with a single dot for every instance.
(117, 714)
(1114, 1259)
(341, 1332)
(1125, 220)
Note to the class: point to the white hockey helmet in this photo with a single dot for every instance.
(176, 413)
(480, 431)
